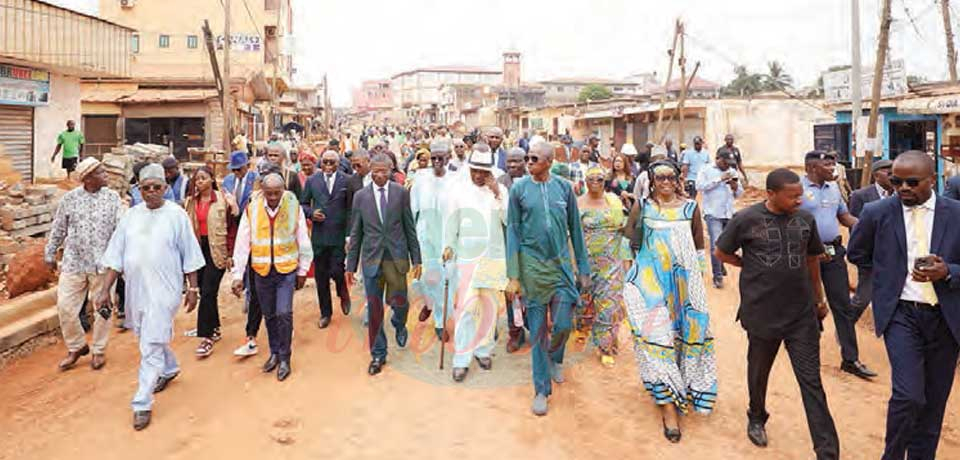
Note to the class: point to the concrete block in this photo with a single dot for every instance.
(28, 316)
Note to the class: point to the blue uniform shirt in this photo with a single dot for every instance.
(826, 204)
(695, 161)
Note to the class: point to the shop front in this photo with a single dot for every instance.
(22, 89)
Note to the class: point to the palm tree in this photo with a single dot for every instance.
(777, 77)
(745, 83)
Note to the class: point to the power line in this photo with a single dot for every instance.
(254, 22)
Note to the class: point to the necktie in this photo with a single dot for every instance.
(383, 204)
(329, 183)
(922, 245)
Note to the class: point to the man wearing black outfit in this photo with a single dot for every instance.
(326, 200)
(781, 300)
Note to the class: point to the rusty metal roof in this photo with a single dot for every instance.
(146, 96)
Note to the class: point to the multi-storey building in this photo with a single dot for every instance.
(418, 91)
(44, 52)
(171, 94)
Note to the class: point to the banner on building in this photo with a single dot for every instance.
(242, 42)
(836, 85)
(24, 86)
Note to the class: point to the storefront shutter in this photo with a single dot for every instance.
(16, 137)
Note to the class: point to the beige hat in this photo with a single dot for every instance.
(87, 166)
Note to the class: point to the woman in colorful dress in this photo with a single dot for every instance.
(602, 217)
(620, 181)
(666, 300)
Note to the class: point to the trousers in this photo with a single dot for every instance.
(275, 292)
(156, 360)
(254, 315)
(864, 293)
(923, 362)
(208, 312)
(72, 291)
(391, 283)
(549, 344)
(836, 285)
(327, 265)
(715, 227)
(476, 324)
(803, 348)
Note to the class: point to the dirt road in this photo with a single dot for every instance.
(225, 408)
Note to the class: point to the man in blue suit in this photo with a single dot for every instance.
(906, 240)
(240, 183)
(326, 201)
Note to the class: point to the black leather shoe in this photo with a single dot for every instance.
(485, 363)
(757, 434)
(162, 382)
(857, 368)
(459, 373)
(283, 371)
(402, 335)
(271, 364)
(376, 365)
(323, 322)
(345, 306)
(141, 419)
(424, 314)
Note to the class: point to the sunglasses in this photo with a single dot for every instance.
(437, 158)
(329, 162)
(665, 177)
(151, 188)
(910, 181)
(531, 159)
(594, 179)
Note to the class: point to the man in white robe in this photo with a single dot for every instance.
(154, 248)
(475, 241)
(429, 200)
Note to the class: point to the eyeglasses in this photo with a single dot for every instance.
(594, 179)
(531, 159)
(665, 177)
(151, 188)
(437, 158)
(910, 181)
(329, 162)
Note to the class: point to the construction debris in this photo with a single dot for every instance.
(32, 273)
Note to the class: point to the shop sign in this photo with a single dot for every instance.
(836, 85)
(241, 42)
(24, 86)
(937, 105)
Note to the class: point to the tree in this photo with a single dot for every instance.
(913, 80)
(777, 77)
(745, 83)
(594, 93)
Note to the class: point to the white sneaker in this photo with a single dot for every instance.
(190, 333)
(247, 349)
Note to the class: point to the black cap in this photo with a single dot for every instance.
(819, 155)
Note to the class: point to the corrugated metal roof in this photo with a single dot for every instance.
(143, 96)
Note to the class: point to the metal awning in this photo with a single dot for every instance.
(930, 105)
(147, 96)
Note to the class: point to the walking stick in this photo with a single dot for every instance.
(443, 329)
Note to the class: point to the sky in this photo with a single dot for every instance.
(356, 40)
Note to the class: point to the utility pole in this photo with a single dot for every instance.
(663, 96)
(856, 80)
(228, 94)
(948, 30)
(878, 66)
(682, 62)
(277, 122)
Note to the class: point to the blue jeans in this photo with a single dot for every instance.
(548, 346)
(715, 227)
(391, 282)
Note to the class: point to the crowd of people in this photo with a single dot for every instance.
(574, 240)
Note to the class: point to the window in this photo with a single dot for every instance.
(192, 41)
(164, 41)
(134, 43)
(559, 89)
(618, 89)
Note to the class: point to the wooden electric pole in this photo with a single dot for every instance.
(228, 94)
(663, 96)
(682, 62)
(872, 142)
(856, 82)
(948, 30)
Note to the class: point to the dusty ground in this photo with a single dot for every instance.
(223, 408)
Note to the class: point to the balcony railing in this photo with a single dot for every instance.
(40, 34)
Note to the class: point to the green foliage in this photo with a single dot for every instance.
(594, 93)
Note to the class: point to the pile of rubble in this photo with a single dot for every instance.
(27, 211)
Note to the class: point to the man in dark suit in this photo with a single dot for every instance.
(360, 162)
(910, 241)
(952, 189)
(384, 230)
(881, 188)
(326, 200)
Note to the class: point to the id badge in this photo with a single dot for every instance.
(831, 251)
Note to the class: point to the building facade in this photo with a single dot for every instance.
(418, 91)
(567, 90)
(375, 95)
(171, 96)
(40, 76)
